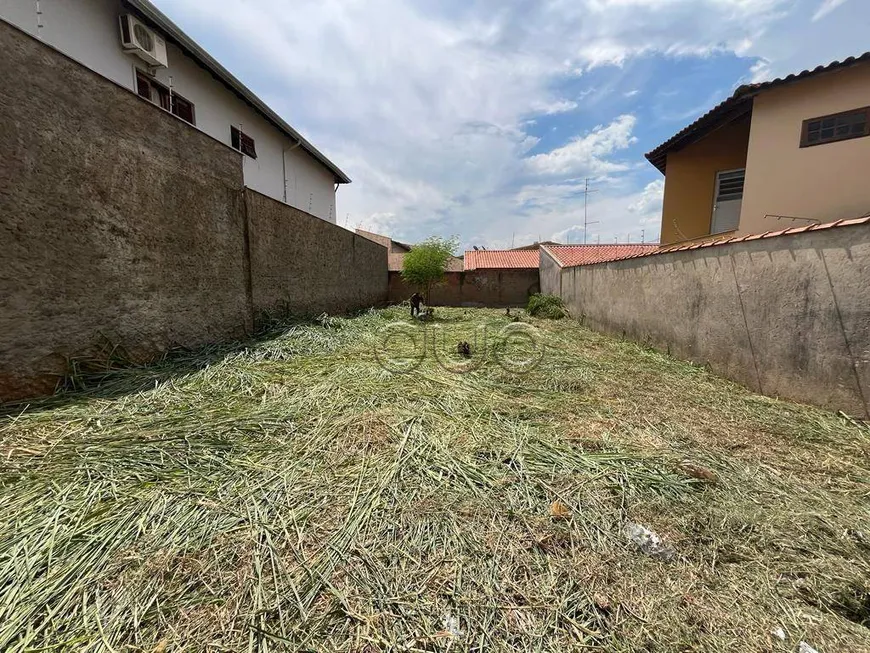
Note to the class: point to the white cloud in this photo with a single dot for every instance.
(588, 154)
(650, 201)
(573, 235)
(554, 107)
(428, 105)
(826, 7)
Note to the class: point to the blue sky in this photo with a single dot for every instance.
(482, 118)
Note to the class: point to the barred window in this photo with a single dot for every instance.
(150, 89)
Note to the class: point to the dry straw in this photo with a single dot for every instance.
(290, 494)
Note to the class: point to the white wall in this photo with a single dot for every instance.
(88, 31)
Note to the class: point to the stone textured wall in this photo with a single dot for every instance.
(303, 265)
(787, 316)
(490, 288)
(123, 228)
(118, 222)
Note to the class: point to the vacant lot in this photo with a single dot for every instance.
(292, 494)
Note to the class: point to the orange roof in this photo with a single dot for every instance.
(570, 255)
(395, 262)
(501, 259)
(667, 249)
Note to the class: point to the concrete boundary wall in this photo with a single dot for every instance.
(305, 265)
(482, 287)
(125, 231)
(551, 274)
(787, 316)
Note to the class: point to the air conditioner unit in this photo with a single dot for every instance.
(142, 41)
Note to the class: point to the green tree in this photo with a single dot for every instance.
(425, 264)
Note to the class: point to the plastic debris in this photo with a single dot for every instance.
(451, 625)
(778, 633)
(806, 648)
(648, 541)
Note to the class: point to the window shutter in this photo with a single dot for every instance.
(248, 146)
(183, 109)
(242, 142)
(143, 87)
(730, 185)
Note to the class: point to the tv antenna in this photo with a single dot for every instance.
(586, 222)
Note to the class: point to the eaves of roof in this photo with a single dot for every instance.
(734, 107)
(174, 34)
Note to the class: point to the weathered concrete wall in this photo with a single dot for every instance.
(788, 316)
(123, 227)
(118, 222)
(490, 288)
(303, 265)
(551, 274)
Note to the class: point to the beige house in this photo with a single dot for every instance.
(786, 153)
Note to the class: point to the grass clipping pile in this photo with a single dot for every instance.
(291, 494)
(546, 306)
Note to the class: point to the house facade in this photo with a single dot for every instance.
(135, 46)
(786, 153)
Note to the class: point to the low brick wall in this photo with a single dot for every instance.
(490, 288)
(788, 316)
(304, 265)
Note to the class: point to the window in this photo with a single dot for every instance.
(183, 109)
(836, 127)
(242, 142)
(727, 200)
(155, 92)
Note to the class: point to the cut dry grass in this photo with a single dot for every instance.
(291, 494)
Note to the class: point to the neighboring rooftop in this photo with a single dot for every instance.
(535, 245)
(394, 246)
(739, 239)
(151, 14)
(501, 259)
(396, 260)
(573, 255)
(735, 106)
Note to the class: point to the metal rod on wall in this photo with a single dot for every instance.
(38, 20)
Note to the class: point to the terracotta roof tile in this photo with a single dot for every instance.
(395, 261)
(572, 255)
(750, 237)
(502, 259)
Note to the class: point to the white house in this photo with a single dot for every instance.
(133, 44)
